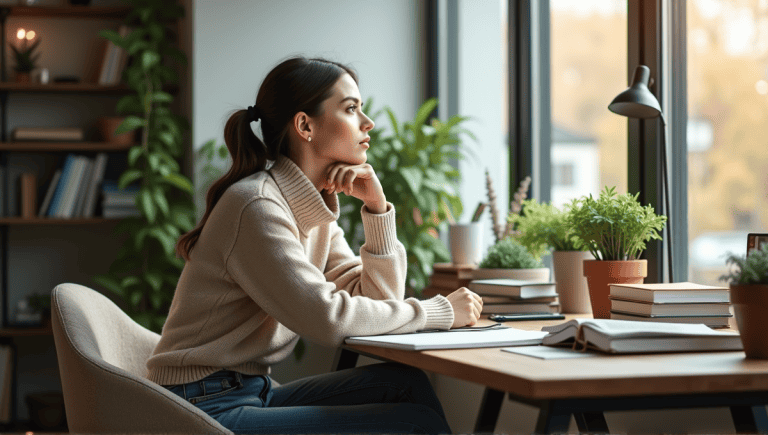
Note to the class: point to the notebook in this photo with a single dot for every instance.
(452, 339)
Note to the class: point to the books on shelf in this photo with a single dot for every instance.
(711, 321)
(71, 189)
(622, 336)
(118, 203)
(513, 288)
(115, 59)
(48, 133)
(452, 339)
(671, 292)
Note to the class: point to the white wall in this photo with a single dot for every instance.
(237, 42)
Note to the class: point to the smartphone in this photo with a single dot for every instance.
(525, 316)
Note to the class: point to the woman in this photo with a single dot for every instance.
(268, 263)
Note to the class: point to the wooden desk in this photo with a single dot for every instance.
(586, 387)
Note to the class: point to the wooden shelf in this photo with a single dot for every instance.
(54, 221)
(93, 12)
(20, 331)
(93, 88)
(63, 146)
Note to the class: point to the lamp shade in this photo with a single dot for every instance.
(637, 101)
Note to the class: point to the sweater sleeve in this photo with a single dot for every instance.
(268, 262)
(384, 263)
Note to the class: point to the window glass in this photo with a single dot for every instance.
(727, 129)
(588, 69)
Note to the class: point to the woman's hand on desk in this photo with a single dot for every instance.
(467, 306)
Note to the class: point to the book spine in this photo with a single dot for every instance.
(60, 187)
(82, 189)
(69, 191)
(100, 165)
(28, 187)
(49, 194)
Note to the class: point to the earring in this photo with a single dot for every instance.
(309, 138)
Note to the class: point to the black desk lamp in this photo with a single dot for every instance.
(638, 102)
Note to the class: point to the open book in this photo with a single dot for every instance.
(453, 339)
(625, 336)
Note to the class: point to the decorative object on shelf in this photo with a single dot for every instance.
(509, 259)
(145, 272)
(615, 229)
(501, 231)
(637, 101)
(413, 164)
(24, 54)
(541, 228)
(748, 282)
(28, 195)
(107, 125)
(43, 76)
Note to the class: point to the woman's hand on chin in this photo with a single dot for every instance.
(359, 181)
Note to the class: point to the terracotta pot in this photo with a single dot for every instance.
(601, 274)
(571, 284)
(538, 274)
(23, 77)
(750, 302)
(107, 126)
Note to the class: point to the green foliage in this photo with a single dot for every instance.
(614, 227)
(541, 227)
(413, 165)
(25, 57)
(509, 254)
(752, 269)
(146, 270)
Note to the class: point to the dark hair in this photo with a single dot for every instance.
(295, 85)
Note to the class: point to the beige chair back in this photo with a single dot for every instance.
(102, 355)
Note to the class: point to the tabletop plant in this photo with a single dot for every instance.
(413, 165)
(614, 227)
(747, 270)
(509, 254)
(542, 227)
(24, 55)
(146, 270)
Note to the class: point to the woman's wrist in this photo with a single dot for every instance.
(376, 207)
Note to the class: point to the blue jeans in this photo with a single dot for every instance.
(386, 397)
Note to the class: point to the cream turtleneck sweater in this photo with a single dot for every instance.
(271, 264)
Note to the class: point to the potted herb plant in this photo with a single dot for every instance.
(507, 258)
(748, 281)
(614, 228)
(25, 55)
(543, 228)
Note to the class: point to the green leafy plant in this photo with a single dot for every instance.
(413, 165)
(542, 227)
(25, 56)
(146, 270)
(509, 254)
(614, 227)
(752, 269)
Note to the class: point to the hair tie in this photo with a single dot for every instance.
(253, 114)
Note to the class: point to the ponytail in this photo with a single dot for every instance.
(249, 155)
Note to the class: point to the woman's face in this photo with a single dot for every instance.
(341, 133)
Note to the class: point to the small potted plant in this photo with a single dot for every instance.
(748, 281)
(614, 228)
(25, 55)
(509, 259)
(543, 228)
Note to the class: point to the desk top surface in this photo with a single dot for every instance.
(599, 376)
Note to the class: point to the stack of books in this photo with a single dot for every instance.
(681, 302)
(118, 203)
(501, 296)
(447, 278)
(48, 133)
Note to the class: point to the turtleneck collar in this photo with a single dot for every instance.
(309, 207)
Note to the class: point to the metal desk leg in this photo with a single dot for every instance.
(552, 419)
(750, 419)
(591, 422)
(489, 410)
(344, 359)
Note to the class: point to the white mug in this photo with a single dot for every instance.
(466, 243)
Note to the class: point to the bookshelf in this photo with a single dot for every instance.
(51, 155)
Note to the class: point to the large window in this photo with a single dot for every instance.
(588, 49)
(727, 130)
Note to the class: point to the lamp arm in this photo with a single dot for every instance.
(665, 180)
